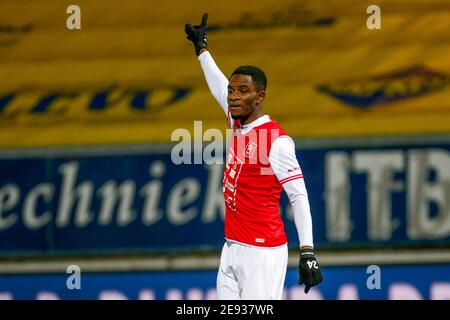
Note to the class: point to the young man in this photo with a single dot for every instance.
(261, 161)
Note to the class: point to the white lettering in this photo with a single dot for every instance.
(146, 294)
(213, 152)
(422, 192)
(194, 294)
(374, 20)
(183, 193)
(46, 295)
(83, 192)
(111, 295)
(338, 220)
(109, 193)
(181, 152)
(6, 296)
(152, 193)
(348, 292)
(374, 281)
(214, 202)
(297, 293)
(403, 291)
(74, 280)
(30, 219)
(380, 167)
(198, 143)
(440, 291)
(174, 294)
(74, 20)
(9, 196)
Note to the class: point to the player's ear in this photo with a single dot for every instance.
(261, 96)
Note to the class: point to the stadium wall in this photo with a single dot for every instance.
(110, 200)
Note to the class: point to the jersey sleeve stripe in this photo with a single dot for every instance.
(297, 176)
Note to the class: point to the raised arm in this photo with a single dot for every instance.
(216, 80)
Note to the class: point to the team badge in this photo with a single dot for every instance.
(250, 149)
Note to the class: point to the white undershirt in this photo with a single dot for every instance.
(282, 156)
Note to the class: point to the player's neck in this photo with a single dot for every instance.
(252, 117)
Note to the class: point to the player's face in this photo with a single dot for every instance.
(243, 97)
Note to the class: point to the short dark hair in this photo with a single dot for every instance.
(258, 76)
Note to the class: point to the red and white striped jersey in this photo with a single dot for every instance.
(251, 189)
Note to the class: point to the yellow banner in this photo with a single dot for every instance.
(130, 76)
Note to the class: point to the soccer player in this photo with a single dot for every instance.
(261, 161)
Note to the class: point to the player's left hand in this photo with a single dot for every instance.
(309, 270)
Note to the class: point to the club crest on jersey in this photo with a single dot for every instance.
(250, 149)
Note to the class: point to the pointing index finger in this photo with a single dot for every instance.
(204, 19)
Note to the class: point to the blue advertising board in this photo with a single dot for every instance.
(142, 201)
(340, 283)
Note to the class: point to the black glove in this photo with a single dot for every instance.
(309, 270)
(197, 34)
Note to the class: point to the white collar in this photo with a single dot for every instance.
(255, 123)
